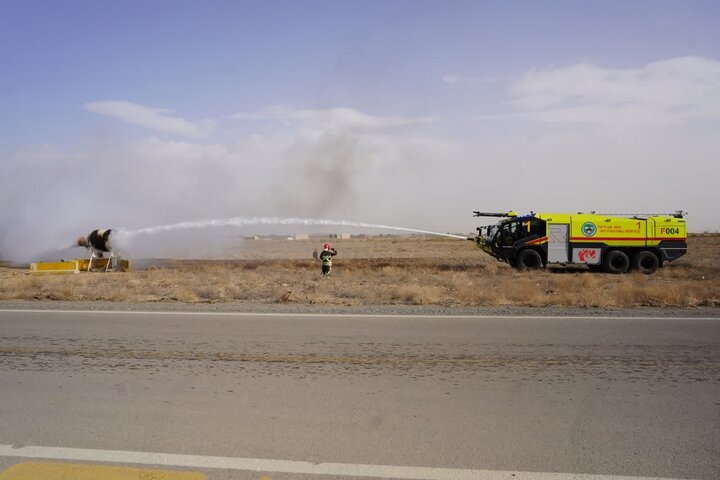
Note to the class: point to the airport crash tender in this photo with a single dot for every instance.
(614, 243)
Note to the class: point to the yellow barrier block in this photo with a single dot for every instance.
(76, 471)
(100, 264)
(55, 267)
(78, 265)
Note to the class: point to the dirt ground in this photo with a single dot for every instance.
(379, 271)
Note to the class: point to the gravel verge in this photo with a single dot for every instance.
(282, 308)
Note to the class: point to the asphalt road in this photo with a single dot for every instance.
(485, 397)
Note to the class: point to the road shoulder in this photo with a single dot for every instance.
(285, 308)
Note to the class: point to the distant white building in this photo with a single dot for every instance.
(302, 236)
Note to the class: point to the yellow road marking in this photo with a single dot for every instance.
(292, 467)
(77, 471)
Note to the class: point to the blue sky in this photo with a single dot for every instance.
(478, 80)
(205, 59)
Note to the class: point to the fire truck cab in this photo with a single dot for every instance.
(613, 243)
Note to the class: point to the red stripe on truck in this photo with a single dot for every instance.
(537, 240)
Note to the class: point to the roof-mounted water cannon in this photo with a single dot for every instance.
(495, 214)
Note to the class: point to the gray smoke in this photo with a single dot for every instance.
(57, 195)
(331, 166)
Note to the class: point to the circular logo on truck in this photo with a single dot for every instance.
(588, 229)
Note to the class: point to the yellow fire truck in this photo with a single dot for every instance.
(614, 243)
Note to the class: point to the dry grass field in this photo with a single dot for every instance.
(381, 271)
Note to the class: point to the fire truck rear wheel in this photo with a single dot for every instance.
(528, 260)
(616, 262)
(645, 262)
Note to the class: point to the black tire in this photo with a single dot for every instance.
(616, 261)
(645, 262)
(528, 259)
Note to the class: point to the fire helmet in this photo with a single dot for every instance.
(326, 246)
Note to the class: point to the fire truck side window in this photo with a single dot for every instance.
(525, 229)
(537, 227)
(531, 226)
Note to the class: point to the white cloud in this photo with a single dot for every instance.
(331, 118)
(453, 78)
(149, 117)
(665, 92)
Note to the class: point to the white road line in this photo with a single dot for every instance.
(351, 315)
(293, 467)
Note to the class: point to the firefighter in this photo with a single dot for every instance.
(326, 259)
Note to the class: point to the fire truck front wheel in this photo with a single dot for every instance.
(645, 262)
(616, 262)
(528, 259)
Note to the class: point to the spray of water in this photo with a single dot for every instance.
(246, 221)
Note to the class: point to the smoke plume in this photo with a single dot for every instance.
(308, 169)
